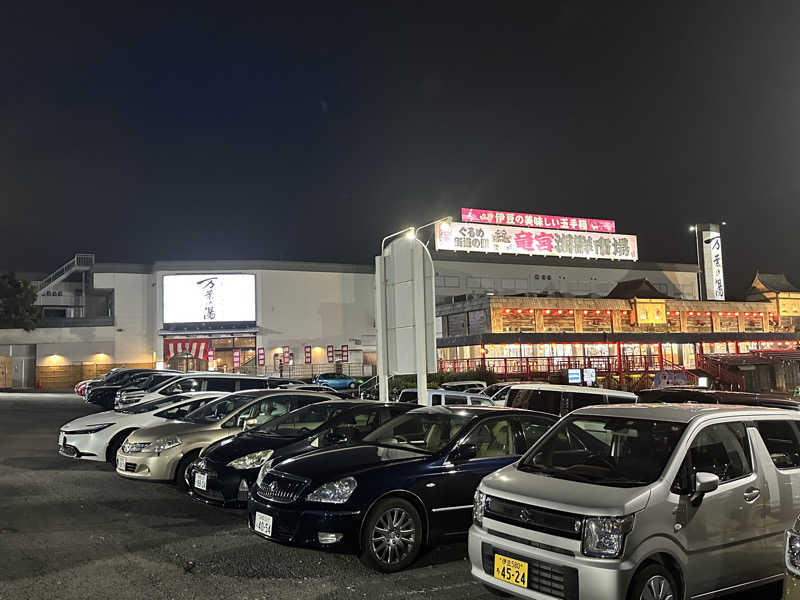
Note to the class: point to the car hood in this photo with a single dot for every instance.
(150, 434)
(561, 494)
(234, 447)
(340, 461)
(107, 416)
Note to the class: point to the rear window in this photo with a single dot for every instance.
(253, 384)
(580, 400)
(408, 396)
(780, 438)
(220, 384)
(548, 401)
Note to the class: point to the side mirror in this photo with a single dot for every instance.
(703, 484)
(250, 423)
(465, 452)
(337, 436)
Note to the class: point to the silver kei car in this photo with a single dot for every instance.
(645, 501)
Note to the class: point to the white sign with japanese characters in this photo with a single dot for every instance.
(475, 237)
(209, 297)
(712, 265)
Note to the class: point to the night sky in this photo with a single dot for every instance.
(241, 132)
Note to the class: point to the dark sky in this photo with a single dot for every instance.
(236, 132)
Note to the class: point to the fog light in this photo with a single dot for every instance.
(243, 487)
(328, 538)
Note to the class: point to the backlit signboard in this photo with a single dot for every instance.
(209, 298)
(712, 264)
(502, 239)
(501, 217)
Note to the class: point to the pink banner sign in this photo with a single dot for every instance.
(515, 219)
(500, 239)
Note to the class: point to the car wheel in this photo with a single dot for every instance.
(180, 471)
(654, 582)
(114, 445)
(392, 536)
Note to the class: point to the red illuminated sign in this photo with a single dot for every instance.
(308, 354)
(237, 359)
(331, 356)
(287, 356)
(345, 353)
(500, 217)
(262, 356)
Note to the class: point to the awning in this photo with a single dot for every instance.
(197, 347)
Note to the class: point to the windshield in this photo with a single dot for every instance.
(152, 405)
(610, 451)
(426, 431)
(219, 409)
(155, 380)
(301, 422)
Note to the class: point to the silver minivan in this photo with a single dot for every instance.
(642, 501)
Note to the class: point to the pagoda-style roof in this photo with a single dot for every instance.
(636, 288)
(764, 283)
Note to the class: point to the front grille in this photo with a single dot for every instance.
(279, 487)
(130, 467)
(536, 518)
(546, 578)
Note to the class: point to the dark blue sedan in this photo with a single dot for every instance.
(409, 484)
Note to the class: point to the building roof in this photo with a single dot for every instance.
(635, 288)
(770, 282)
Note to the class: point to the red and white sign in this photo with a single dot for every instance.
(197, 347)
(345, 353)
(502, 239)
(287, 356)
(210, 354)
(262, 356)
(331, 356)
(237, 359)
(499, 217)
(308, 354)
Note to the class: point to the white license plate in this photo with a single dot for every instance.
(120, 463)
(62, 439)
(263, 523)
(201, 481)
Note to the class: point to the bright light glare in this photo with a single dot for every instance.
(692, 228)
(411, 234)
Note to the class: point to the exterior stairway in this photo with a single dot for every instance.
(81, 262)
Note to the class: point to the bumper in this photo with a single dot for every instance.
(301, 527)
(224, 486)
(86, 446)
(142, 465)
(550, 574)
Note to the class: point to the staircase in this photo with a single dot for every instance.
(720, 373)
(81, 262)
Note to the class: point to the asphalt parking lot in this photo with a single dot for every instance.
(74, 529)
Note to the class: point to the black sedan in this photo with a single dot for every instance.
(408, 484)
(227, 468)
(103, 393)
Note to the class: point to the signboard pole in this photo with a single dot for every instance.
(380, 325)
(421, 355)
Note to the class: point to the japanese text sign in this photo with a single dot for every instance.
(287, 355)
(262, 356)
(307, 350)
(500, 239)
(331, 356)
(237, 359)
(345, 353)
(515, 219)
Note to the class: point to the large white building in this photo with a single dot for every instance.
(267, 316)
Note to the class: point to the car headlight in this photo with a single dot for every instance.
(792, 553)
(478, 508)
(604, 537)
(164, 443)
(334, 492)
(90, 429)
(251, 461)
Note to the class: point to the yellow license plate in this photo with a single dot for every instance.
(511, 570)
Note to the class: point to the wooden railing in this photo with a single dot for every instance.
(719, 372)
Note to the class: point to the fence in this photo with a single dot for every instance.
(545, 367)
(62, 378)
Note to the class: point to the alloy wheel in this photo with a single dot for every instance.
(657, 588)
(394, 536)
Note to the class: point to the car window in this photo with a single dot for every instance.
(220, 384)
(424, 431)
(362, 419)
(492, 438)
(721, 449)
(302, 421)
(183, 385)
(408, 396)
(780, 438)
(450, 400)
(179, 412)
(532, 430)
(263, 412)
(253, 384)
(548, 401)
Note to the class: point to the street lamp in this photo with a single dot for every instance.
(419, 310)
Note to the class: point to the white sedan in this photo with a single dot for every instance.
(99, 436)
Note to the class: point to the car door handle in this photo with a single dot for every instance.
(751, 494)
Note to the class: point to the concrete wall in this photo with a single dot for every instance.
(134, 318)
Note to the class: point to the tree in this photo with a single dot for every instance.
(17, 304)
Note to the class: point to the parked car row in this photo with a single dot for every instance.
(596, 494)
